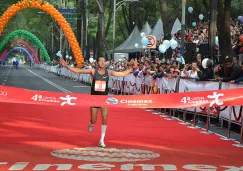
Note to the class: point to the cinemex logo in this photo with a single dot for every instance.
(137, 101)
(112, 100)
(140, 103)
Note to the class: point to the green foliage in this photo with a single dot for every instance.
(236, 9)
(41, 24)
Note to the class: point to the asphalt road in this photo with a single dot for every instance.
(39, 79)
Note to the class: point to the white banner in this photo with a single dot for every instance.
(234, 111)
(189, 85)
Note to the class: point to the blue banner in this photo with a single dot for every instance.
(62, 10)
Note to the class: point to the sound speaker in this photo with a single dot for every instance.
(204, 50)
(190, 53)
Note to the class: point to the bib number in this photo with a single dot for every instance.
(100, 86)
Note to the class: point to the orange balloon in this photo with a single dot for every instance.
(45, 6)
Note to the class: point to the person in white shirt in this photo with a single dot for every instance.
(190, 73)
(180, 58)
(196, 41)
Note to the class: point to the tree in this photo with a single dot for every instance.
(223, 24)
(101, 29)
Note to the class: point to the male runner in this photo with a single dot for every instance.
(100, 87)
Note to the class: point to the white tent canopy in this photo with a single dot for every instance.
(129, 44)
(158, 30)
(135, 37)
(146, 28)
(176, 26)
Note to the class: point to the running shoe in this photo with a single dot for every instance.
(102, 145)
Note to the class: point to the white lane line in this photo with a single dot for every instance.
(9, 70)
(49, 82)
(7, 74)
(81, 86)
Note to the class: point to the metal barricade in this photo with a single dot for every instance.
(131, 85)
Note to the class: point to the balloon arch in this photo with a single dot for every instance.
(3, 54)
(45, 6)
(30, 49)
(18, 49)
(31, 36)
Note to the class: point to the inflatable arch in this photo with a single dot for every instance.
(30, 49)
(45, 6)
(27, 46)
(3, 54)
(31, 36)
(17, 49)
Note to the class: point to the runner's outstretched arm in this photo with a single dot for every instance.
(120, 74)
(76, 70)
(133, 63)
(80, 71)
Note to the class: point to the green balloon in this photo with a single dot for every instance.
(29, 35)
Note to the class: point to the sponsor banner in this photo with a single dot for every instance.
(189, 85)
(235, 111)
(176, 100)
(168, 85)
(129, 80)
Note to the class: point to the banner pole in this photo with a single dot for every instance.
(194, 125)
(241, 135)
(169, 118)
(195, 117)
(229, 127)
(241, 131)
(208, 116)
(164, 114)
(174, 113)
(207, 124)
(184, 122)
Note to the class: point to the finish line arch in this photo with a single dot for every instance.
(3, 54)
(30, 49)
(31, 36)
(17, 49)
(45, 6)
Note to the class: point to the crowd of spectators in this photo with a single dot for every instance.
(176, 66)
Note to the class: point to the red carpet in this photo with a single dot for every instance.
(135, 139)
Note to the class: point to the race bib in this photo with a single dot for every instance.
(100, 85)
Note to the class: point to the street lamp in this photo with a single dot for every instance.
(89, 20)
(114, 20)
(183, 25)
